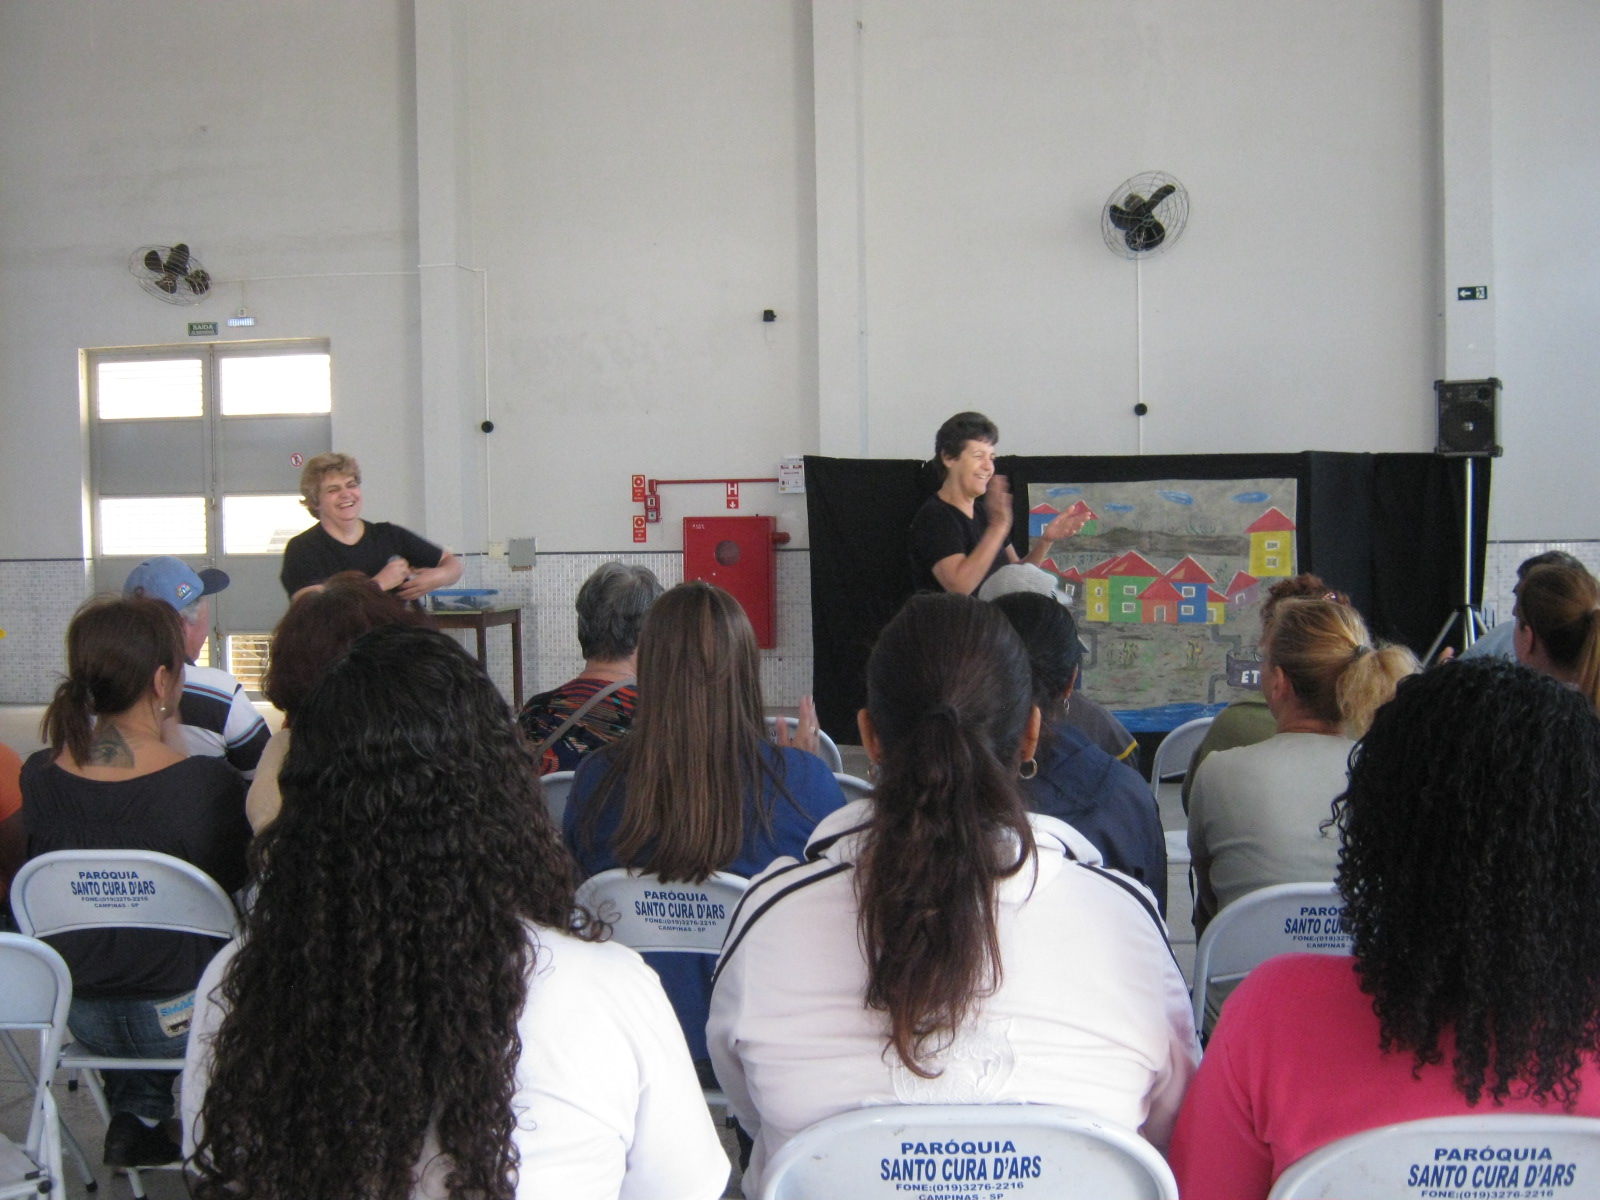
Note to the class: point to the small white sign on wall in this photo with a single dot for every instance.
(792, 475)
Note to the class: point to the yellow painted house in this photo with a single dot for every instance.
(1271, 545)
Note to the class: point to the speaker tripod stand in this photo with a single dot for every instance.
(1465, 614)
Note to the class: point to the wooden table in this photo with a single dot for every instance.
(482, 620)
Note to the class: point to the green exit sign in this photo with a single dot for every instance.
(202, 329)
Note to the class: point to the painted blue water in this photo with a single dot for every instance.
(1166, 717)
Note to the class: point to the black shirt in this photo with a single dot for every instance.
(939, 530)
(311, 557)
(193, 810)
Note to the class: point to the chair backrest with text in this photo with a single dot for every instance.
(1019, 1151)
(1287, 918)
(1488, 1154)
(648, 915)
(555, 788)
(68, 890)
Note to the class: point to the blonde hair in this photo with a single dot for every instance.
(319, 468)
(1562, 606)
(1324, 649)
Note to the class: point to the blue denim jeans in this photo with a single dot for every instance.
(135, 1029)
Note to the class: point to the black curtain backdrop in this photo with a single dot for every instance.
(1385, 528)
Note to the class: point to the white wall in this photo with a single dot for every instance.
(1547, 271)
(640, 179)
(278, 141)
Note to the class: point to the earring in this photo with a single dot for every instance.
(872, 772)
(1028, 769)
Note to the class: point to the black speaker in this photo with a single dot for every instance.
(1467, 418)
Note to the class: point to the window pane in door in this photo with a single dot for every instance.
(261, 524)
(247, 658)
(139, 526)
(273, 384)
(149, 388)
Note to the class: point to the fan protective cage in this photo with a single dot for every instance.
(149, 280)
(1172, 212)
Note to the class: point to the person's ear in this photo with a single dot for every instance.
(869, 735)
(1030, 735)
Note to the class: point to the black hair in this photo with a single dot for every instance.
(955, 433)
(378, 988)
(1050, 634)
(948, 697)
(1471, 876)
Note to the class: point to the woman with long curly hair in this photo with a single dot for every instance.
(1471, 879)
(1256, 812)
(695, 786)
(1558, 626)
(938, 944)
(411, 1010)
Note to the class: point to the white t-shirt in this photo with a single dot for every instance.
(607, 1100)
(1092, 1012)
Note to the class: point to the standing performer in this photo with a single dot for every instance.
(959, 536)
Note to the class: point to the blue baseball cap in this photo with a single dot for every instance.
(170, 579)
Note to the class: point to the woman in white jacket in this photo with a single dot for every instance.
(938, 944)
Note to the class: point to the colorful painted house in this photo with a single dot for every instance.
(1097, 591)
(1127, 578)
(1159, 604)
(1041, 515)
(1243, 589)
(1216, 607)
(1192, 582)
(1071, 580)
(1271, 545)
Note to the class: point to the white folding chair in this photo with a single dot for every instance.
(1175, 751)
(827, 748)
(1480, 1154)
(69, 890)
(1286, 918)
(1019, 1150)
(35, 993)
(675, 918)
(556, 787)
(853, 786)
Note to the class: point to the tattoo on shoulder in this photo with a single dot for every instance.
(108, 748)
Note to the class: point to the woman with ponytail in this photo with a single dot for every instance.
(937, 944)
(1258, 814)
(108, 781)
(1558, 627)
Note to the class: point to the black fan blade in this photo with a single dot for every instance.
(1123, 218)
(178, 260)
(152, 261)
(168, 283)
(199, 281)
(1160, 194)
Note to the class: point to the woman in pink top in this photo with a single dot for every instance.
(1471, 876)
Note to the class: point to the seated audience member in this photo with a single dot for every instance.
(401, 562)
(695, 786)
(317, 629)
(412, 1010)
(1085, 714)
(1501, 637)
(1558, 627)
(1257, 813)
(214, 716)
(109, 782)
(1471, 876)
(1248, 720)
(596, 708)
(1072, 779)
(937, 944)
(13, 838)
(962, 533)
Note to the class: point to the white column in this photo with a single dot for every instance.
(1467, 188)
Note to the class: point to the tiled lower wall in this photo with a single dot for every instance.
(37, 598)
